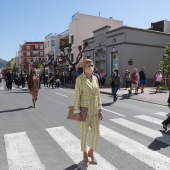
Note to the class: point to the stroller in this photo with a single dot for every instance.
(57, 82)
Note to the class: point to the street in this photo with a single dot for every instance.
(131, 134)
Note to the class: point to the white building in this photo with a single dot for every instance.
(126, 48)
(82, 26)
(52, 45)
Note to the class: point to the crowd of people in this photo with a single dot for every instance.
(15, 78)
(134, 81)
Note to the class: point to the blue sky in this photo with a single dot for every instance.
(32, 20)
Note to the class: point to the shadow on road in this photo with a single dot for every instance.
(107, 104)
(14, 110)
(157, 144)
(73, 167)
(126, 96)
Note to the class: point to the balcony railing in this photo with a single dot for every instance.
(64, 32)
(51, 34)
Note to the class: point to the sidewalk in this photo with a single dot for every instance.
(149, 94)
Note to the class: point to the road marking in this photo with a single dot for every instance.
(1, 88)
(20, 152)
(150, 119)
(153, 159)
(61, 94)
(161, 113)
(114, 112)
(71, 145)
(143, 130)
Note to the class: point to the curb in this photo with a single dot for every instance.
(143, 100)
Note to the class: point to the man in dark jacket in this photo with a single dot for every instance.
(9, 80)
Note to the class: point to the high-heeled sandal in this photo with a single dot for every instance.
(93, 160)
(85, 159)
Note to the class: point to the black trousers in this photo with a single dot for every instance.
(167, 121)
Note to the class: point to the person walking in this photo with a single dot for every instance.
(97, 75)
(142, 77)
(57, 79)
(129, 80)
(34, 85)
(126, 78)
(158, 80)
(102, 78)
(87, 94)
(134, 81)
(167, 121)
(9, 80)
(115, 84)
(23, 80)
(0, 77)
(51, 79)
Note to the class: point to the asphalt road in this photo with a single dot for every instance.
(42, 138)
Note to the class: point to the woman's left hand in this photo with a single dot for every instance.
(100, 115)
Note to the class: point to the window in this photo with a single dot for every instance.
(28, 47)
(28, 53)
(72, 39)
(41, 53)
(52, 43)
(41, 47)
(48, 43)
(35, 53)
(36, 47)
(72, 57)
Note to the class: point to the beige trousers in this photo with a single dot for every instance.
(92, 121)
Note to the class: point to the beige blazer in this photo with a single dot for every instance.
(87, 94)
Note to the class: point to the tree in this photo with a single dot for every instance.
(68, 53)
(166, 60)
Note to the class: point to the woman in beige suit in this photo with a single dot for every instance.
(87, 94)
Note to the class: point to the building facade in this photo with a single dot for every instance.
(52, 46)
(82, 26)
(126, 48)
(32, 51)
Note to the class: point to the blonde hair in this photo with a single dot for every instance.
(85, 62)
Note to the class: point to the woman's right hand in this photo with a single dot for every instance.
(78, 117)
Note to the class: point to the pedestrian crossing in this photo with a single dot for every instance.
(21, 154)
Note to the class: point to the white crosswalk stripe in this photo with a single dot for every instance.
(143, 130)
(71, 145)
(20, 153)
(149, 119)
(1, 88)
(136, 149)
(161, 113)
